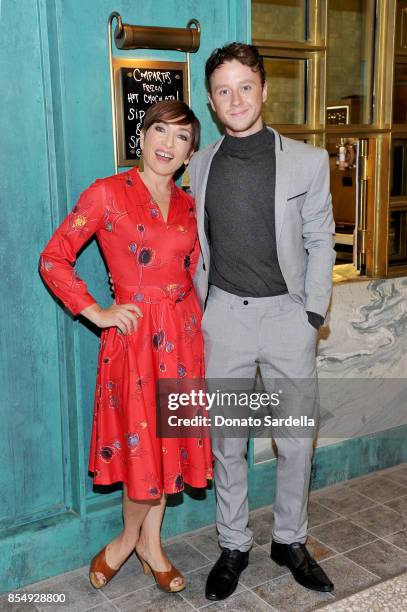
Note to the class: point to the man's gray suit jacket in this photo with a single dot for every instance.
(303, 220)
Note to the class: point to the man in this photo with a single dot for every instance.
(266, 231)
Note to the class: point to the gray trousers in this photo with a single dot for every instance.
(239, 334)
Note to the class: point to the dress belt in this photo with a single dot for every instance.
(152, 294)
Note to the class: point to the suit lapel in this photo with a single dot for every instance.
(283, 174)
(200, 200)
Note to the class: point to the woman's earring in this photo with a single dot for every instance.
(141, 164)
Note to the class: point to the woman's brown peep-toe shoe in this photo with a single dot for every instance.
(163, 579)
(98, 566)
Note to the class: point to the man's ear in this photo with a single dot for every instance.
(211, 103)
(264, 92)
(141, 139)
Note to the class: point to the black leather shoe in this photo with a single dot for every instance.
(303, 567)
(224, 575)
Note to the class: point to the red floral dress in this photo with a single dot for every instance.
(152, 263)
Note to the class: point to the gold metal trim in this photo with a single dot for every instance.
(269, 52)
(362, 203)
(398, 203)
(296, 129)
(353, 130)
(187, 39)
(274, 45)
(112, 16)
(191, 22)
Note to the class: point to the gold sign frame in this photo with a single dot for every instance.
(151, 65)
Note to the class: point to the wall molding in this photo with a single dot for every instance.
(31, 555)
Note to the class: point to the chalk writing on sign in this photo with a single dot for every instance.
(140, 87)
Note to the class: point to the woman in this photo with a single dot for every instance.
(146, 229)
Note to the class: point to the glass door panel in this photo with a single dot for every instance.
(351, 39)
(287, 89)
(280, 20)
(400, 92)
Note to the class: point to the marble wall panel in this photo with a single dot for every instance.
(362, 362)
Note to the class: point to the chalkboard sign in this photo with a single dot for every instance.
(138, 85)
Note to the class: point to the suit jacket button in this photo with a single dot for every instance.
(245, 302)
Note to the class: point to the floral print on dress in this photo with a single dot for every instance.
(152, 263)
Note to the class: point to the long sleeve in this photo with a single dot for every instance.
(58, 258)
(318, 235)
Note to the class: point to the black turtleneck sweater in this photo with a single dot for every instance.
(240, 219)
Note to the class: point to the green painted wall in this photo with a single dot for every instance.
(55, 125)
(56, 132)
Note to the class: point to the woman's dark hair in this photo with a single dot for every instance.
(247, 55)
(173, 111)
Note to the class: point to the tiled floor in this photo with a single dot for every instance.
(387, 596)
(358, 532)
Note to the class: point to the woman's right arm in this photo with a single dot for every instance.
(58, 258)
